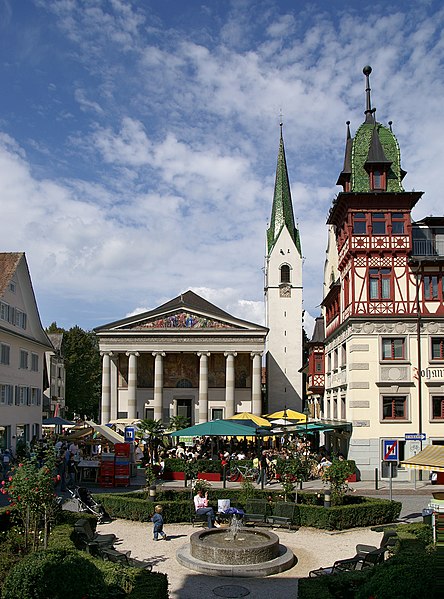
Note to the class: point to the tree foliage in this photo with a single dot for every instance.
(337, 475)
(152, 431)
(83, 372)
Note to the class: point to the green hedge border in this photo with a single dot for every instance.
(178, 508)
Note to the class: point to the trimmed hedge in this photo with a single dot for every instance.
(178, 507)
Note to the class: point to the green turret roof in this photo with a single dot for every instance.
(282, 210)
(373, 144)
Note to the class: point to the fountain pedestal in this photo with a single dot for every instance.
(252, 553)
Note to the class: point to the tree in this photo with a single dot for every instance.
(83, 372)
(336, 475)
(177, 423)
(31, 495)
(152, 431)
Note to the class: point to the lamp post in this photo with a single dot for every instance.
(306, 413)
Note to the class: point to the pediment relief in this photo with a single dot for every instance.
(181, 320)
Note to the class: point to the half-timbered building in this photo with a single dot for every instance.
(383, 306)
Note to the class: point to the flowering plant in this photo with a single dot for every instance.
(31, 495)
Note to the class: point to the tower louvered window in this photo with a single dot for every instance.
(285, 273)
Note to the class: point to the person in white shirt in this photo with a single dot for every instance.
(202, 509)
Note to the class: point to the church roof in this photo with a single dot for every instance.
(282, 210)
(188, 311)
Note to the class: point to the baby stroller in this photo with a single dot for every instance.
(87, 503)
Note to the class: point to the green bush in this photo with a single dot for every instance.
(178, 507)
(55, 574)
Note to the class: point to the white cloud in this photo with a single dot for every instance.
(159, 177)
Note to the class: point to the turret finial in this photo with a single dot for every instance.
(368, 103)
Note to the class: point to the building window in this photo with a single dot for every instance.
(379, 283)
(217, 414)
(149, 414)
(393, 348)
(344, 354)
(430, 283)
(394, 407)
(34, 362)
(35, 394)
(20, 319)
(437, 407)
(4, 354)
(22, 396)
(378, 223)
(318, 363)
(12, 287)
(397, 223)
(377, 180)
(23, 359)
(285, 273)
(5, 311)
(6, 395)
(359, 224)
(437, 348)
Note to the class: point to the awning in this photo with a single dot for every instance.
(106, 432)
(121, 423)
(430, 458)
(219, 428)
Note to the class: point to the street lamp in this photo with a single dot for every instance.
(306, 413)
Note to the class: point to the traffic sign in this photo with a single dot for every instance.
(415, 436)
(390, 450)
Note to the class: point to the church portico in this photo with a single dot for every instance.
(186, 358)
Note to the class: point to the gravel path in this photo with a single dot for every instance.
(312, 548)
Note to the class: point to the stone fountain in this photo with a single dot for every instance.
(235, 551)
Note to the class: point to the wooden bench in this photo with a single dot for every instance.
(83, 528)
(255, 512)
(283, 514)
(355, 563)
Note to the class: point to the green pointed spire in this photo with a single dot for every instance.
(282, 210)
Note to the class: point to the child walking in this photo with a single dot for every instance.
(157, 519)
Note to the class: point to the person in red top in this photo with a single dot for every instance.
(202, 509)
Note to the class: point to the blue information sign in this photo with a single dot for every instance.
(415, 436)
(130, 434)
(391, 453)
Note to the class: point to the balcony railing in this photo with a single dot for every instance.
(427, 247)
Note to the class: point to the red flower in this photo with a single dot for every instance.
(3, 483)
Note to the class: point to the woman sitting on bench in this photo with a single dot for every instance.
(202, 509)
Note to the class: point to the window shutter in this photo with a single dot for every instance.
(28, 396)
(11, 395)
(39, 397)
(17, 396)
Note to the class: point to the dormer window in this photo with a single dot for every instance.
(378, 180)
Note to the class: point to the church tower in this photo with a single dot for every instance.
(283, 297)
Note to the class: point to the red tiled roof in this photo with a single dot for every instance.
(8, 265)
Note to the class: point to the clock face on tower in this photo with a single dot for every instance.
(285, 291)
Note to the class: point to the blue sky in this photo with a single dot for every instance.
(138, 139)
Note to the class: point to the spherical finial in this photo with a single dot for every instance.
(347, 122)
(367, 70)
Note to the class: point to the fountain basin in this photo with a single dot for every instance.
(250, 546)
(252, 554)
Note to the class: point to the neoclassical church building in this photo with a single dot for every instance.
(188, 357)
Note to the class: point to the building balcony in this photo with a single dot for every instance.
(428, 248)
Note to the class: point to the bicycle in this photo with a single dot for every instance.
(237, 473)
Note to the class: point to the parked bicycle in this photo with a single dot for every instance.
(238, 472)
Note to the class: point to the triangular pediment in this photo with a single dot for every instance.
(186, 312)
(181, 320)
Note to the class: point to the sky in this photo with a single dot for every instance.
(139, 139)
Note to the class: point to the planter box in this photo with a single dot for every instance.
(174, 475)
(210, 476)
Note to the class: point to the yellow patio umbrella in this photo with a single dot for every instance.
(287, 415)
(247, 416)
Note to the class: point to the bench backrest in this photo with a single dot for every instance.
(284, 509)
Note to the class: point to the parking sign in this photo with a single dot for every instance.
(391, 453)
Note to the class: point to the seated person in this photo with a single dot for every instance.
(202, 509)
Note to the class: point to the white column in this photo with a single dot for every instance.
(203, 386)
(229, 384)
(158, 384)
(256, 394)
(106, 388)
(114, 386)
(132, 383)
